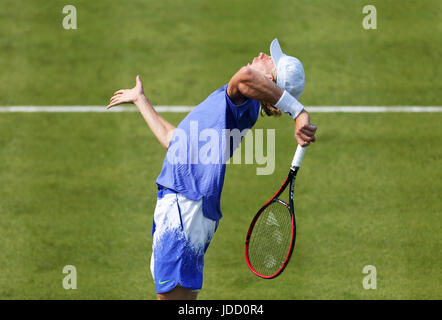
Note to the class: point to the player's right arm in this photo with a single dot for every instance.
(162, 129)
(249, 83)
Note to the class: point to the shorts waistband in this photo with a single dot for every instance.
(162, 191)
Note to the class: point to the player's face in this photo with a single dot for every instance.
(263, 63)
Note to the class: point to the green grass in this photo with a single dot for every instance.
(368, 193)
(185, 49)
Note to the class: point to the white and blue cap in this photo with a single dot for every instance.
(289, 71)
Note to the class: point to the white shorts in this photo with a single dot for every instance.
(181, 236)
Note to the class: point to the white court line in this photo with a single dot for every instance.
(351, 109)
(89, 109)
(376, 109)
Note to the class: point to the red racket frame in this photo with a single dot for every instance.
(290, 179)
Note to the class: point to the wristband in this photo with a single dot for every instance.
(288, 104)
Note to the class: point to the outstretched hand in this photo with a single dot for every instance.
(127, 95)
(304, 131)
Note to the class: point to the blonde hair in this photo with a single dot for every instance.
(268, 108)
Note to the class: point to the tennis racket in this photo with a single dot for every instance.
(272, 233)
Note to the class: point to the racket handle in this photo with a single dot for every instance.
(297, 159)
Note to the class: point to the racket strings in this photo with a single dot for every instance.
(270, 240)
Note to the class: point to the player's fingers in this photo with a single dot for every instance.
(115, 102)
(115, 98)
(309, 129)
(119, 93)
(303, 136)
(112, 105)
(310, 135)
(306, 139)
(307, 132)
(302, 142)
(138, 81)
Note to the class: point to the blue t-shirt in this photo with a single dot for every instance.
(201, 145)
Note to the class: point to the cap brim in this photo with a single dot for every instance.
(276, 52)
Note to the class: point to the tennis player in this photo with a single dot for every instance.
(188, 210)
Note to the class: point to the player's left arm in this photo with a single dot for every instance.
(161, 128)
(249, 83)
